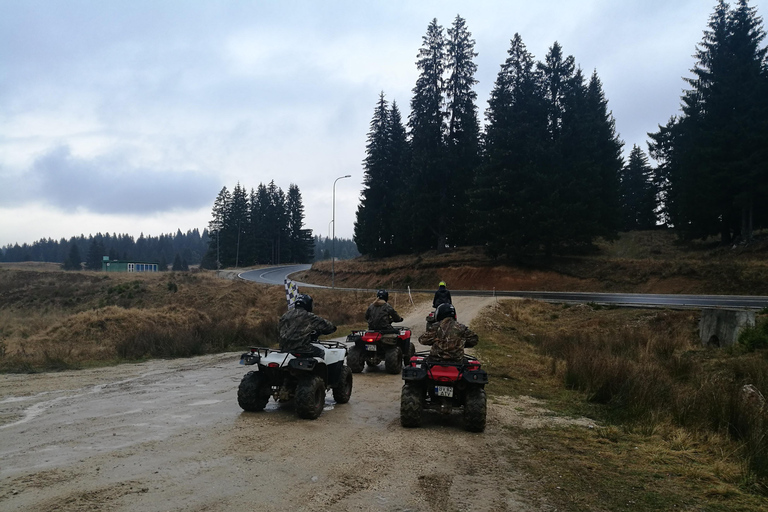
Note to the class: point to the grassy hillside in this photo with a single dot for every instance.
(51, 319)
(639, 262)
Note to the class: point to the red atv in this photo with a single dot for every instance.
(373, 347)
(442, 386)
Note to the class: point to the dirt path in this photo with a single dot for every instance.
(169, 436)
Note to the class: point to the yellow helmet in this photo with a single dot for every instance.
(442, 283)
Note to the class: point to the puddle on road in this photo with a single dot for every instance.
(204, 402)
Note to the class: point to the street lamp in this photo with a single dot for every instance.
(333, 243)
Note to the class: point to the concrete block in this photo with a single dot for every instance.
(721, 327)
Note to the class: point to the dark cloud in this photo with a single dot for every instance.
(108, 185)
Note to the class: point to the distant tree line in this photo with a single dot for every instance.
(263, 226)
(345, 248)
(188, 248)
(546, 173)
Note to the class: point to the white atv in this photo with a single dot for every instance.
(298, 376)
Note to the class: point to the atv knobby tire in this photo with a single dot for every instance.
(343, 390)
(393, 360)
(310, 397)
(474, 409)
(356, 359)
(251, 394)
(411, 404)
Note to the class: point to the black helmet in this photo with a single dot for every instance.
(304, 302)
(383, 295)
(444, 311)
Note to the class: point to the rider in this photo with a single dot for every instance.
(299, 327)
(380, 315)
(442, 295)
(449, 338)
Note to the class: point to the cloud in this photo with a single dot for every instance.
(110, 185)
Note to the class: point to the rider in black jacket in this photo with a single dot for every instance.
(442, 295)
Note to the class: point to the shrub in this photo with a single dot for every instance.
(755, 338)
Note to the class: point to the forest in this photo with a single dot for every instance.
(545, 174)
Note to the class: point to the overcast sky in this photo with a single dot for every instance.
(130, 116)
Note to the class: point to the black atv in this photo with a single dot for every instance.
(299, 376)
(443, 386)
(372, 347)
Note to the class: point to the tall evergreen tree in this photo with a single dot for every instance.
(638, 194)
(371, 235)
(301, 245)
(73, 261)
(463, 131)
(506, 185)
(427, 122)
(220, 217)
(95, 254)
(713, 155)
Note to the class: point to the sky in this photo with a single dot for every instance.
(129, 116)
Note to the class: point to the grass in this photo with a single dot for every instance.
(673, 430)
(53, 320)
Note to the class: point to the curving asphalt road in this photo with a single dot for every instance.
(277, 276)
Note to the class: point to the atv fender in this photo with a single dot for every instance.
(476, 377)
(414, 373)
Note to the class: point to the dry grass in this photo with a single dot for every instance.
(641, 262)
(676, 433)
(53, 320)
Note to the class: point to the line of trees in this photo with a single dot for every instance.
(265, 226)
(188, 247)
(713, 156)
(344, 249)
(546, 174)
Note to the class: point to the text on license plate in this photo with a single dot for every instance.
(371, 347)
(444, 391)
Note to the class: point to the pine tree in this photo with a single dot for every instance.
(713, 157)
(463, 132)
(301, 245)
(370, 234)
(638, 194)
(73, 261)
(177, 265)
(505, 185)
(95, 254)
(427, 123)
(216, 227)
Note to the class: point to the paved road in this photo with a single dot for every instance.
(277, 275)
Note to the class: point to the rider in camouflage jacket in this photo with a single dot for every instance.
(450, 337)
(380, 314)
(297, 326)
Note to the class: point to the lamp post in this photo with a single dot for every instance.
(333, 243)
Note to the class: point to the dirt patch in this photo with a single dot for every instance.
(168, 435)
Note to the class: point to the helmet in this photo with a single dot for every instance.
(383, 295)
(304, 302)
(441, 283)
(444, 311)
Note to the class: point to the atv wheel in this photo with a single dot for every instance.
(411, 352)
(393, 360)
(310, 397)
(356, 359)
(474, 409)
(251, 394)
(343, 390)
(411, 405)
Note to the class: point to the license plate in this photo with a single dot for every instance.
(370, 348)
(444, 391)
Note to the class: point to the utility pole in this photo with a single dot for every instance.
(333, 243)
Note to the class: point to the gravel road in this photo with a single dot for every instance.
(168, 435)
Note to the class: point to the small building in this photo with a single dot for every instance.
(108, 265)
